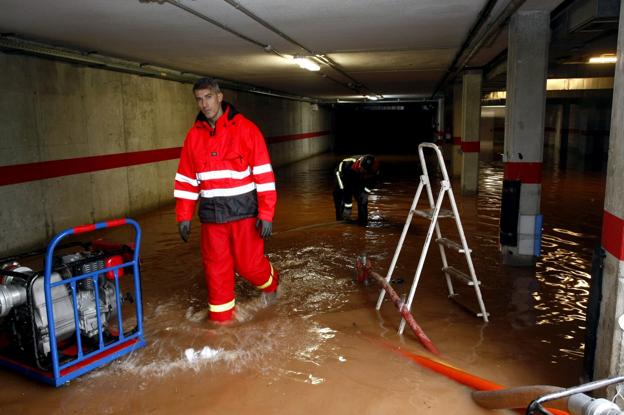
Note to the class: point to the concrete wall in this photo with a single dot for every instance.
(53, 110)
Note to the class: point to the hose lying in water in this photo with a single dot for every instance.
(523, 396)
(519, 397)
(469, 380)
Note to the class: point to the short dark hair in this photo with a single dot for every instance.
(205, 83)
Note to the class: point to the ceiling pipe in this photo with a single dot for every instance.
(353, 85)
(266, 47)
(467, 52)
(9, 43)
(215, 22)
(481, 19)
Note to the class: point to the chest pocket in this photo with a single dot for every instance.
(230, 166)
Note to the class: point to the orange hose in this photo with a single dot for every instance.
(455, 374)
(460, 376)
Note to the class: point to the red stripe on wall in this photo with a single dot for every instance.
(21, 173)
(613, 235)
(470, 146)
(525, 172)
(292, 137)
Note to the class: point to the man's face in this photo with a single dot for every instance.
(209, 102)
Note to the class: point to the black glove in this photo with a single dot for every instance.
(184, 228)
(265, 228)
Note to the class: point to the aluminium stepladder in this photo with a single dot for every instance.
(433, 214)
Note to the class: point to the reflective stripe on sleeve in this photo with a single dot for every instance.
(265, 187)
(367, 190)
(222, 307)
(232, 191)
(269, 282)
(223, 174)
(348, 205)
(263, 168)
(182, 178)
(183, 194)
(339, 180)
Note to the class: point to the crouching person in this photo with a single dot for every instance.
(354, 175)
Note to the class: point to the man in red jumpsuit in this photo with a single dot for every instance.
(225, 166)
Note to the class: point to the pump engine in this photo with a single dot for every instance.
(23, 315)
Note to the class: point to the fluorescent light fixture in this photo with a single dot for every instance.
(607, 58)
(305, 63)
(371, 97)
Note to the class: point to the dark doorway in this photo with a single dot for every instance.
(394, 128)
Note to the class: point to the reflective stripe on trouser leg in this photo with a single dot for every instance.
(250, 262)
(218, 262)
(269, 281)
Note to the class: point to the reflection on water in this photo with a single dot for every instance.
(556, 294)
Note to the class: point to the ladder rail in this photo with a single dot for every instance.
(397, 251)
(447, 277)
(423, 255)
(473, 274)
(445, 185)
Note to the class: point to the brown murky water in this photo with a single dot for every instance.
(322, 347)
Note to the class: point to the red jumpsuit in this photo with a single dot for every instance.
(228, 170)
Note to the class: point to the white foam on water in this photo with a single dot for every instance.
(206, 353)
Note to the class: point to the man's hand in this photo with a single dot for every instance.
(265, 228)
(184, 228)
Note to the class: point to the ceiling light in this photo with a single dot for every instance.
(371, 97)
(607, 58)
(305, 63)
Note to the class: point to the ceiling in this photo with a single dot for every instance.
(397, 49)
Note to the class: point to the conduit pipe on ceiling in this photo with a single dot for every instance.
(353, 85)
(14, 43)
(266, 47)
(469, 48)
(481, 19)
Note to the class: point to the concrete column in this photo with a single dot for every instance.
(439, 130)
(527, 64)
(456, 156)
(471, 118)
(609, 358)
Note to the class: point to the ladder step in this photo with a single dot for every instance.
(428, 213)
(452, 245)
(454, 272)
(465, 307)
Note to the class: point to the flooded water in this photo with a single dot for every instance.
(322, 347)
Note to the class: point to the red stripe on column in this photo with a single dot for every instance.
(613, 235)
(470, 146)
(525, 172)
(457, 141)
(292, 137)
(21, 173)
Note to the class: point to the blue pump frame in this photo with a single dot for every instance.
(85, 362)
